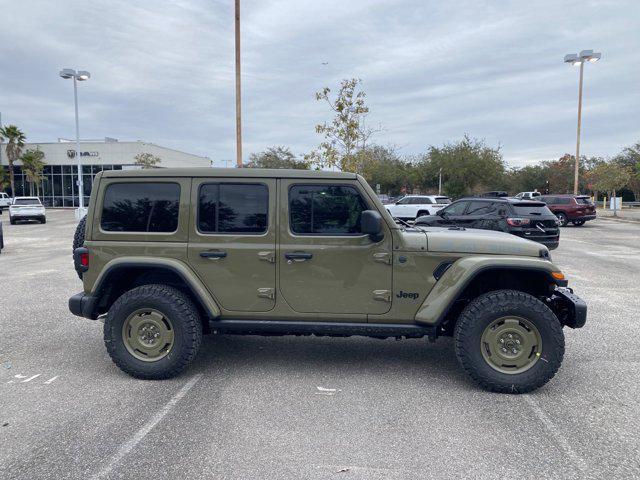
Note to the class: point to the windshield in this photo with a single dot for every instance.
(584, 201)
(27, 201)
(443, 200)
(531, 209)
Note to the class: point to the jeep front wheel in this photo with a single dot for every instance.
(153, 332)
(509, 341)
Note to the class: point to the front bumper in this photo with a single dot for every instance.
(83, 305)
(570, 309)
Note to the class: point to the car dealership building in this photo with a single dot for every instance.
(58, 187)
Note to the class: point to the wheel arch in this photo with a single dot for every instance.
(471, 277)
(123, 274)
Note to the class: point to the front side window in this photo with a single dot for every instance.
(233, 208)
(141, 207)
(404, 201)
(325, 210)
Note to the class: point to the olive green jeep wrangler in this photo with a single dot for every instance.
(167, 255)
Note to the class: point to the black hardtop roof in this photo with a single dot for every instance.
(229, 173)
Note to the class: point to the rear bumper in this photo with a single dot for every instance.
(25, 216)
(83, 305)
(570, 309)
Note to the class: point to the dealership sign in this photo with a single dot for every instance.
(72, 154)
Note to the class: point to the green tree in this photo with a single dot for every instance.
(32, 166)
(147, 160)
(610, 177)
(276, 157)
(527, 179)
(383, 166)
(629, 158)
(4, 179)
(347, 133)
(468, 166)
(15, 141)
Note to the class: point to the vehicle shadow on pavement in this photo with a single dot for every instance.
(341, 357)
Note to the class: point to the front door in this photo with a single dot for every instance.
(232, 241)
(327, 264)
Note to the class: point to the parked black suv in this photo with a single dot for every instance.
(525, 218)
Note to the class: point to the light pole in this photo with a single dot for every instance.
(78, 76)
(573, 59)
(238, 89)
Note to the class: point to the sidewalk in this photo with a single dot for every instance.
(626, 214)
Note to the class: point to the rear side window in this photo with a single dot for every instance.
(421, 201)
(443, 200)
(325, 210)
(233, 208)
(584, 201)
(480, 208)
(141, 207)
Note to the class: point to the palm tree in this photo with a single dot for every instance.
(15, 141)
(32, 166)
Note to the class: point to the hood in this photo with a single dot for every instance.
(471, 240)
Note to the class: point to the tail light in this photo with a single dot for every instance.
(518, 222)
(81, 259)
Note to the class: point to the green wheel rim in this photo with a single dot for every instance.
(148, 335)
(511, 345)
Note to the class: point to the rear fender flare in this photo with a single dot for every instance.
(197, 288)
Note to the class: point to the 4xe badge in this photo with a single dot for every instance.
(411, 295)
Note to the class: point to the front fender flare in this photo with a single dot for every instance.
(453, 282)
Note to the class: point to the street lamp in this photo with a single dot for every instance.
(78, 76)
(575, 60)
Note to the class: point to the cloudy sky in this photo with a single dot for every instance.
(163, 71)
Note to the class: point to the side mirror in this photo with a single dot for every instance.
(371, 224)
(441, 213)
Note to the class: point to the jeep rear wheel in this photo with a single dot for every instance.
(509, 342)
(153, 332)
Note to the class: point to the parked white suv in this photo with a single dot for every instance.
(26, 208)
(5, 200)
(528, 195)
(411, 207)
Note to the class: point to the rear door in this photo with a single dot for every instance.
(328, 265)
(232, 241)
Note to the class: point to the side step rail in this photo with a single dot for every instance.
(276, 327)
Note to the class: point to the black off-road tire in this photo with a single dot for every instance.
(78, 239)
(491, 306)
(564, 221)
(184, 318)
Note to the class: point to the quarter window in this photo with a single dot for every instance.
(325, 210)
(233, 208)
(141, 207)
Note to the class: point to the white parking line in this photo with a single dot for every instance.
(146, 428)
(575, 459)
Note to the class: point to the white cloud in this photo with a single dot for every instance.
(163, 71)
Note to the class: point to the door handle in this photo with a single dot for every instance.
(299, 256)
(213, 255)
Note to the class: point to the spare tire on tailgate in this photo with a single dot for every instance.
(78, 239)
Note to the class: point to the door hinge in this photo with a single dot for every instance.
(267, 256)
(382, 295)
(382, 257)
(267, 292)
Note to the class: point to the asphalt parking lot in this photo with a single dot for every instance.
(312, 408)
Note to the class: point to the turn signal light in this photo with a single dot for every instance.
(518, 222)
(557, 275)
